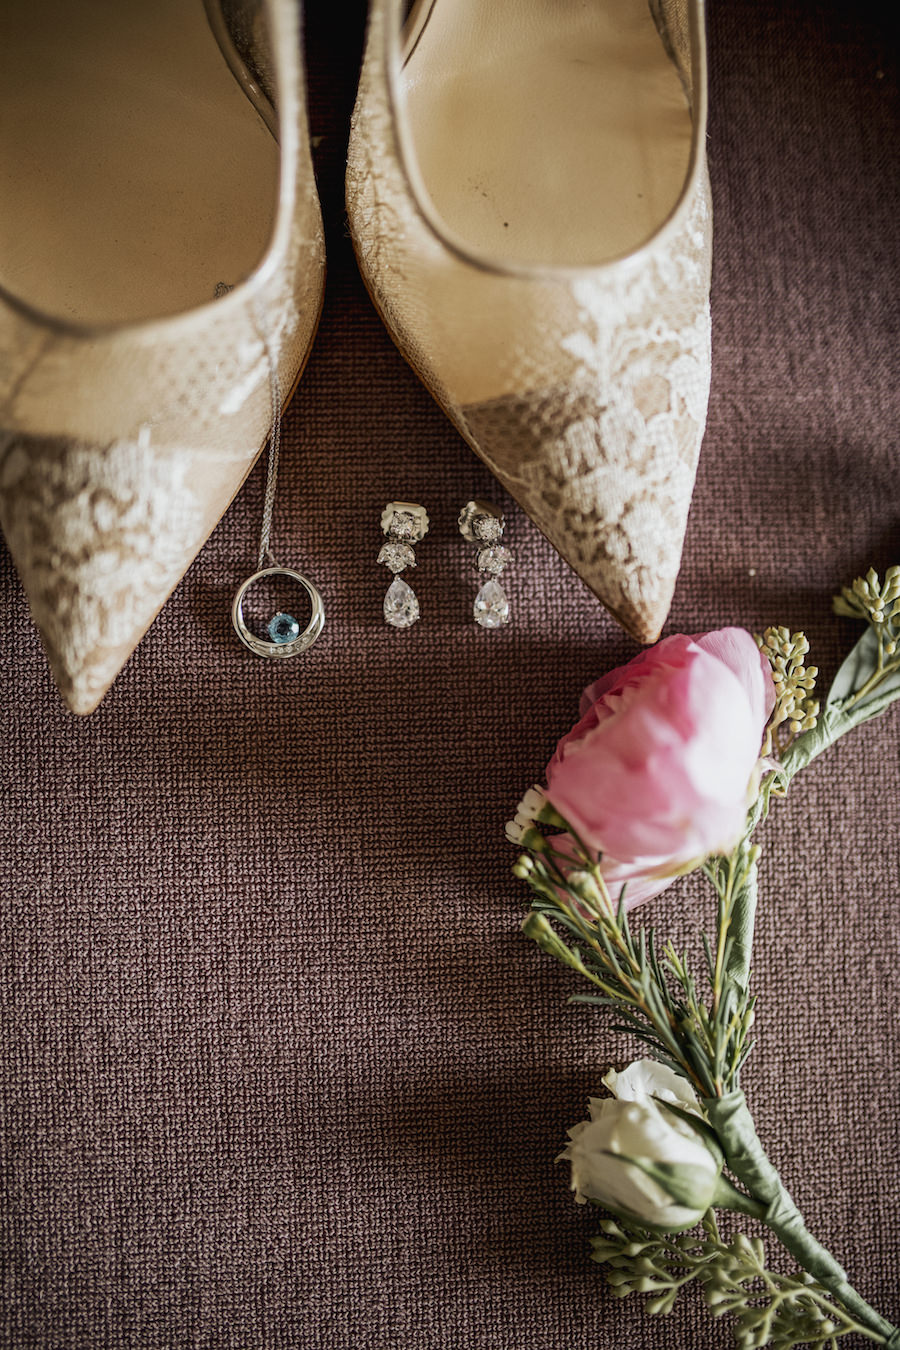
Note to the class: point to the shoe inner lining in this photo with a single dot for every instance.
(135, 176)
(546, 131)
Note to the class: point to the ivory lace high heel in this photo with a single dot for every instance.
(528, 199)
(158, 245)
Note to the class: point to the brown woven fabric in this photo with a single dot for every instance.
(277, 1068)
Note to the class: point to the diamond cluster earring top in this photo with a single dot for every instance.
(404, 523)
(482, 525)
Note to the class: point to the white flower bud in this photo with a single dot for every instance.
(532, 803)
(514, 832)
(587, 890)
(640, 1160)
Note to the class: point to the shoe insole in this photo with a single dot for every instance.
(547, 131)
(135, 176)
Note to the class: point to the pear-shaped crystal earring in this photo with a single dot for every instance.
(483, 525)
(405, 524)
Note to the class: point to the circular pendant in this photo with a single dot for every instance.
(281, 626)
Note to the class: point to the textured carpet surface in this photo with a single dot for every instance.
(278, 1069)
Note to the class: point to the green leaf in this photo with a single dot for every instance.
(698, 1124)
(682, 1182)
(859, 668)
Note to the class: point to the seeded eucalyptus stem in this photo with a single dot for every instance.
(837, 718)
(747, 1159)
(735, 881)
(864, 687)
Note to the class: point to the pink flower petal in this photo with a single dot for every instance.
(737, 649)
(658, 773)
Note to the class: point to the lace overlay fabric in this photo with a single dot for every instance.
(584, 392)
(120, 449)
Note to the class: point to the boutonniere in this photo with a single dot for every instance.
(675, 761)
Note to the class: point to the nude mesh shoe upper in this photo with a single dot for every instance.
(584, 389)
(122, 445)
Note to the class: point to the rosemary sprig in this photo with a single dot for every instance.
(656, 994)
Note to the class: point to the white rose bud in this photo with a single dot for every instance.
(640, 1160)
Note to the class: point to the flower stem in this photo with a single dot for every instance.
(880, 673)
(725, 916)
(836, 720)
(746, 1158)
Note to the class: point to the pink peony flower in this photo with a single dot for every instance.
(662, 767)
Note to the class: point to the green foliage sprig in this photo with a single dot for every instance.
(656, 994)
(769, 1308)
(705, 1034)
(795, 708)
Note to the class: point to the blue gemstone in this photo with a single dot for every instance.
(283, 628)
